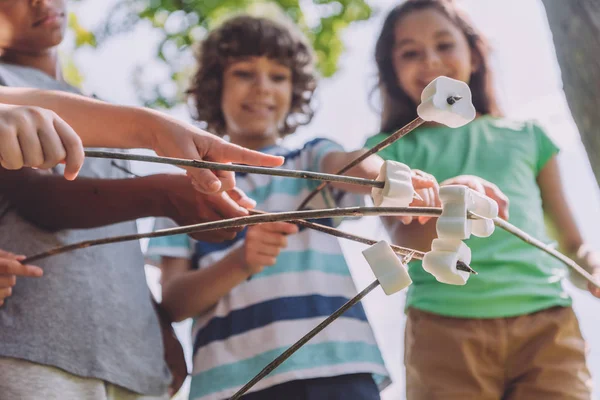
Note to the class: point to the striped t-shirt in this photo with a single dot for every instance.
(264, 315)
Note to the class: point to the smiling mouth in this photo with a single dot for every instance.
(258, 109)
(48, 19)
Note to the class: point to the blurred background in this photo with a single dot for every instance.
(137, 52)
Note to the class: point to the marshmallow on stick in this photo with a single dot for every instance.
(387, 267)
(457, 201)
(441, 261)
(398, 190)
(447, 101)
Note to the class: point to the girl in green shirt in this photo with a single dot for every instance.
(510, 332)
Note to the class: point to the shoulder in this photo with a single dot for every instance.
(374, 139)
(527, 126)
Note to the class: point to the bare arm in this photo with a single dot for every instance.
(91, 202)
(187, 293)
(369, 168)
(83, 203)
(557, 208)
(101, 124)
(98, 124)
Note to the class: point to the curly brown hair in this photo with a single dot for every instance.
(398, 108)
(248, 36)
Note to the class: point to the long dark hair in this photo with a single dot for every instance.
(398, 108)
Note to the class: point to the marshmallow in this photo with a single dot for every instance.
(435, 106)
(398, 190)
(457, 201)
(388, 269)
(441, 261)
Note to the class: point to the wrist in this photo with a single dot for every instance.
(240, 263)
(149, 129)
(156, 190)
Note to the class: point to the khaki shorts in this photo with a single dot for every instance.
(535, 356)
(23, 380)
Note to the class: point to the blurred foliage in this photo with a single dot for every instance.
(181, 23)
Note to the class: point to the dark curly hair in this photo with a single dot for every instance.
(398, 108)
(248, 36)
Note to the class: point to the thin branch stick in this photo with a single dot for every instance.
(296, 346)
(244, 221)
(404, 251)
(313, 214)
(405, 130)
(527, 238)
(318, 176)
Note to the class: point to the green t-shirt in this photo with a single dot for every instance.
(514, 278)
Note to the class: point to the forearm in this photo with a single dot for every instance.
(368, 168)
(80, 204)
(194, 292)
(99, 124)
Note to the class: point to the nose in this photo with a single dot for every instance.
(431, 59)
(263, 83)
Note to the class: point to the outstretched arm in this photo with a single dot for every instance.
(101, 124)
(91, 202)
(557, 208)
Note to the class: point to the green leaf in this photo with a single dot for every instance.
(182, 22)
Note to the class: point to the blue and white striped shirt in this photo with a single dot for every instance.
(263, 316)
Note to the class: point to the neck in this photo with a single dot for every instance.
(46, 61)
(254, 142)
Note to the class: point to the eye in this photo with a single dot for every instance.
(409, 54)
(445, 46)
(243, 74)
(279, 77)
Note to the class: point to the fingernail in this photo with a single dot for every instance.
(214, 186)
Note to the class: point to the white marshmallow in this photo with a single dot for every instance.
(398, 190)
(453, 223)
(457, 201)
(441, 261)
(435, 107)
(387, 267)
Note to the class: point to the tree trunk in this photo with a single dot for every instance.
(575, 26)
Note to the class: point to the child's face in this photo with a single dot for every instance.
(428, 45)
(256, 97)
(32, 25)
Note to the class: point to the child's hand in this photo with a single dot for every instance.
(427, 188)
(484, 187)
(590, 261)
(187, 206)
(36, 137)
(263, 244)
(176, 139)
(10, 268)
(592, 288)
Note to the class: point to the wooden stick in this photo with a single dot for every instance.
(313, 214)
(318, 176)
(296, 346)
(527, 238)
(404, 251)
(244, 221)
(405, 130)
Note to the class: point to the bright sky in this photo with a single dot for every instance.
(529, 84)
